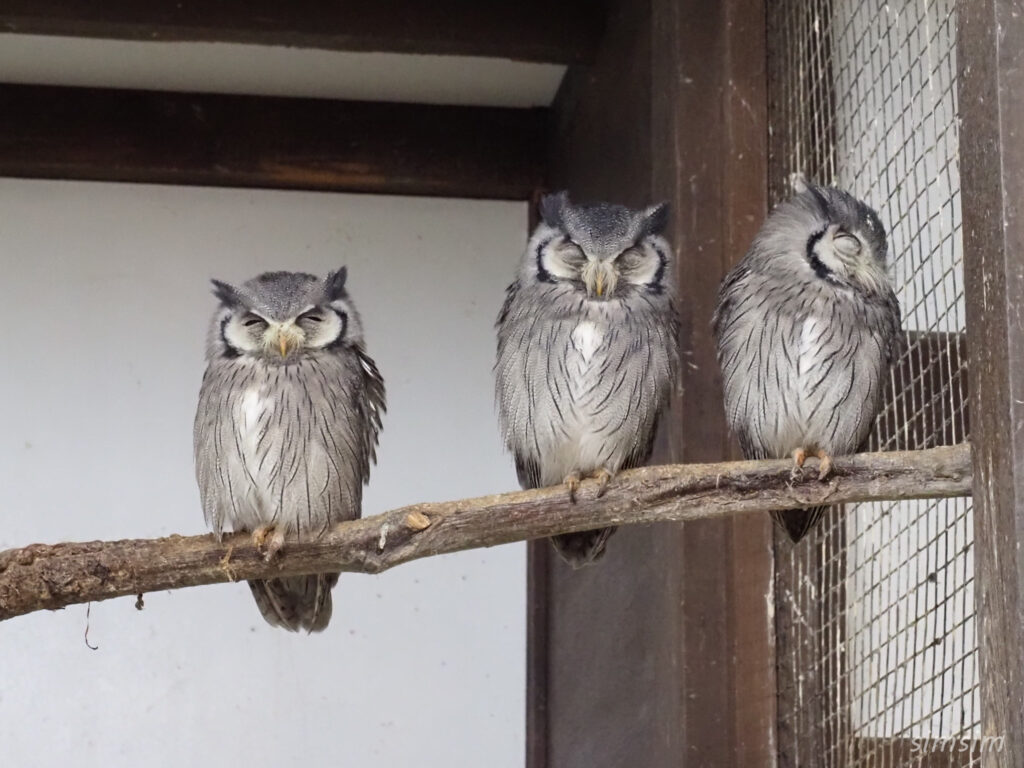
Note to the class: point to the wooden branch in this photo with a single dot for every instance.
(100, 134)
(53, 576)
(532, 30)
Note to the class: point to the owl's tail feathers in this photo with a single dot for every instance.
(583, 548)
(300, 602)
(798, 522)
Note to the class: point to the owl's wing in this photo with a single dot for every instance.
(750, 448)
(893, 329)
(510, 296)
(729, 293)
(639, 456)
(371, 406)
(212, 475)
(507, 390)
(527, 470)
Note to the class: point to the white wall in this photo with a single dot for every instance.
(276, 71)
(104, 300)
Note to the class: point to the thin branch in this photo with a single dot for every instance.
(44, 576)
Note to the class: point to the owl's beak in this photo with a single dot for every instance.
(599, 278)
(285, 339)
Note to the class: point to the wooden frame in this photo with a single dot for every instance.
(665, 655)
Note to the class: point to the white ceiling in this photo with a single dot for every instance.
(276, 71)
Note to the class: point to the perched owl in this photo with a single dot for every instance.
(807, 327)
(586, 350)
(289, 412)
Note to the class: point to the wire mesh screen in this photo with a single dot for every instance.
(875, 613)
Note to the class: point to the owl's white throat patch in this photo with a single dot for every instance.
(254, 408)
(587, 338)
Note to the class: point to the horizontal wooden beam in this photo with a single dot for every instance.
(45, 577)
(255, 141)
(560, 32)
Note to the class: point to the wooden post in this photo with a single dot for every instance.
(991, 62)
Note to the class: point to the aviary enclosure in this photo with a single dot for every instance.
(894, 636)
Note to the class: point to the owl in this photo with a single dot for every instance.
(587, 350)
(807, 326)
(287, 424)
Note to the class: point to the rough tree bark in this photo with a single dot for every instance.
(43, 576)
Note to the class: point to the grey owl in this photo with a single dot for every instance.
(807, 327)
(587, 351)
(289, 412)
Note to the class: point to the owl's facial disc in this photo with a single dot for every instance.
(643, 265)
(560, 259)
(322, 326)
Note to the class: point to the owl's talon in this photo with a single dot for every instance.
(799, 457)
(824, 466)
(269, 540)
(603, 477)
(259, 536)
(572, 482)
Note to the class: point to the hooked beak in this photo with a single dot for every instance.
(285, 339)
(599, 284)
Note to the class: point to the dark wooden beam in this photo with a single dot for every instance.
(533, 30)
(990, 57)
(251, 141)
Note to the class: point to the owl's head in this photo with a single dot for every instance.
(281, 317)
(602, 251)
(840, 238)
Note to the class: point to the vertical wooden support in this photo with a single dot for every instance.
(991, 62)
(711, 161)
(662, 655)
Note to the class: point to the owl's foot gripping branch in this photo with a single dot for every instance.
(42, 576)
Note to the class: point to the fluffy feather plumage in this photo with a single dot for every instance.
(287, 424)
(586, 349)
(807, 326)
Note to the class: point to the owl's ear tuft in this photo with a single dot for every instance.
(655, 219)
(227, 294)
(799, 183)
(334, 285)
(551, 207)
